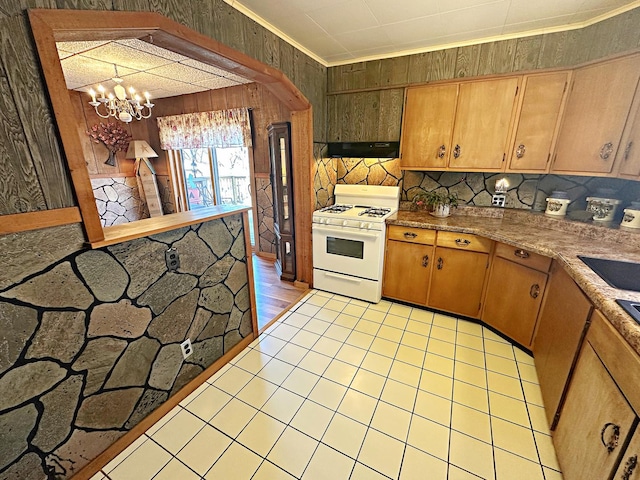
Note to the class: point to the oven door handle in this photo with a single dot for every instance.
(338, 232)
(343, 277)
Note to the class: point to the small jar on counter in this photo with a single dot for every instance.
(557, 203)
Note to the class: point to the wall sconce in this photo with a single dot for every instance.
(500, 197)
(502, 185)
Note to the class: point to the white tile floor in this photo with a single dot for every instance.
(343, 389)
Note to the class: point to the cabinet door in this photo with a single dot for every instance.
(427, 123)
(629, 468)
(406, 271)
(537, 122)
(481, 130)
(595, 116)
(457, 281)
(513, 298)
(561, 328)
(629, 152)
(595, 422)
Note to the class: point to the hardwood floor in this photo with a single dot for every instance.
(272, 294)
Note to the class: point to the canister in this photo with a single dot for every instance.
(557, 203)
(631, 218)
(603, 209)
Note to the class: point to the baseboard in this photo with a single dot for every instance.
(298, 284)
(123, 442)
(266, 255)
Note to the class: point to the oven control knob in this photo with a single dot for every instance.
(345, 223)
(364, 225)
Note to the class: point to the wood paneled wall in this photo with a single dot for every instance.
(33, 173)
(266, 109)
(375, 113)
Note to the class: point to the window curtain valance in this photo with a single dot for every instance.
(219, 128)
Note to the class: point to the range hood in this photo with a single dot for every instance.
(364, 149)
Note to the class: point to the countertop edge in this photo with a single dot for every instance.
(165, 223)
(595, 289)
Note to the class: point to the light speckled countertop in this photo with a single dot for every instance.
(556, 238)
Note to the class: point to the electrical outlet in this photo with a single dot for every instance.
(186, 348)
(172, 259)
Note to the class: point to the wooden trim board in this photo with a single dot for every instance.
(22, 222)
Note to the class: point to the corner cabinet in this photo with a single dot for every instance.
(595, 116)
(282, 187)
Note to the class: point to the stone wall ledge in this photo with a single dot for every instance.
(165, 223)
(531, 231)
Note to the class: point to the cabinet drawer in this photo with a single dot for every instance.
(523, 257)
(464, 241)
(411, 234)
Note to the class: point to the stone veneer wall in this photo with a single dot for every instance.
(266, 240)
(325, 176)
(118, 200)
(89, 339)
(526, 191)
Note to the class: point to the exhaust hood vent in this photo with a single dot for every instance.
(364, 149)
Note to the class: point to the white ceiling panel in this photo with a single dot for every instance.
(77, 47)
(126, 56)
(180, 71)
(86, 71)
(147, 47)
(417, 25)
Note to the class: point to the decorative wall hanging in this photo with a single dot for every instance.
(112, 136)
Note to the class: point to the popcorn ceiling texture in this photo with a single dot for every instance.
(90, 338)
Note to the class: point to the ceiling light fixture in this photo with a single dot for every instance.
(118, 105)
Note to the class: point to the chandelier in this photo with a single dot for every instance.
(119, 105)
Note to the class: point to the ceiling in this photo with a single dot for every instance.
(344, 31)
(141, 65)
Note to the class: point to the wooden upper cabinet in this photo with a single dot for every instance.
(483, 117)
(595, 116)
(427, 124)
(628, 158)
(536, 128)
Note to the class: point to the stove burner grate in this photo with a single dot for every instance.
(339, 208)
(375, 212)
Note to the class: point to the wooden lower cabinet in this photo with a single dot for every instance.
(407, 270)
(629, 468)
(562, 324)
(457, 281)
(513, 298)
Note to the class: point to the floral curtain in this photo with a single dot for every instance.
(219, 128)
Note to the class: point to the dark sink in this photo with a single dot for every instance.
(632, 308)
(622, 275)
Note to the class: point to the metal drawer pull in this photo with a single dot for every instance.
(463, 242)
(440, 263)
(520, 151)
(410, 235)
(606, 150)
(613, 439)
(535, 290)
(629, 467)
(442, 151)
(627, 151)
(521, 253)
(425, 261)
(457, 151)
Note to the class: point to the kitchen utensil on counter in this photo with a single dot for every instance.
(557, 203)
(603, 209)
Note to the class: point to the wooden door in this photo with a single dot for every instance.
(457, 281)
(629, 151)
(629, 468)
(561, 328)
(537, 123)
(427, 123)
(595, 116)
(407, 270)
(513, 298)
(594, 411)
(483, 118)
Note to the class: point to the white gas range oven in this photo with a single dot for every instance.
(349, 240)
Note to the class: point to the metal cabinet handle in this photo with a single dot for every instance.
(425, 261)
(627, 150)
(410, 235)
(442, 151)
(535, 290)
(606, 150)
(457, 151)
(463, 242)
(440, 263)
(520, 151)
(613, 439)
(629, 467)
(521, 253)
